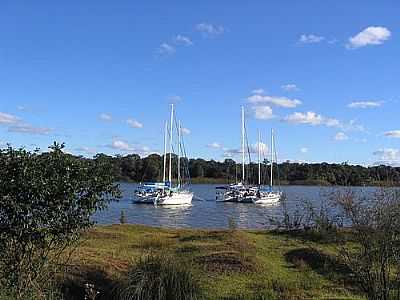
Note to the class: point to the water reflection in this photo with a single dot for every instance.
(207, 213)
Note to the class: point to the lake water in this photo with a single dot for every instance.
(205, 212)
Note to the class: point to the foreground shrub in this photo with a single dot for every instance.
(156, 277)
(373, 254)
(46, 201)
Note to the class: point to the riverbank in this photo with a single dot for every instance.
(230, 264)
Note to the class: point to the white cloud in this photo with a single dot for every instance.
(120, 145)
(310, 118)
(8, 119)
(314, 119)
(388, 156)
(310, 39)
(215, 145)
(263, 148)
(21, 108)
(166, 48)
(28, 129)
(393, 133)
(290, 87)
(134, 123)
(228, 152)
(278, 101)
(263, 112)
(373, 35)
(185, 130)
(183, 40)
(209, 29)
(341, 136)
(365, 104)
(105, 117)
(304, 150)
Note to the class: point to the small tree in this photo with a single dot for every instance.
(46, 201)
(373, 251)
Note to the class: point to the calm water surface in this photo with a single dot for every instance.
(205, 212)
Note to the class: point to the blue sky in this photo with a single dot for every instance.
(99, 75)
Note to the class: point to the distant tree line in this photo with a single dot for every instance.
(134, 168)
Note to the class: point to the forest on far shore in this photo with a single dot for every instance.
(133, 168)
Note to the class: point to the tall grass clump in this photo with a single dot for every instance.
(158, 277)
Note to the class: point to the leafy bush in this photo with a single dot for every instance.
(158, 277)
(46, 200)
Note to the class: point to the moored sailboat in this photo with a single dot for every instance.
(164, 193)
(267, 195)
(240, 191)
(180, 194)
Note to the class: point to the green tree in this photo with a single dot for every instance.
(46, 201)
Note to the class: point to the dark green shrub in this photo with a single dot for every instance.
(156, 277)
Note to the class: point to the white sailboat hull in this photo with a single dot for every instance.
(268, 198)
(177, 198)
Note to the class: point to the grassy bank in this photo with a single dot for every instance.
(229, 264)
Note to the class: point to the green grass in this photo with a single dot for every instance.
(228, 264)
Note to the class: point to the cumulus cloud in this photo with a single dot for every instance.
(120, 145)
(277, 101)
(183, 40)
(214, 145)
(341, 136)
(105, 117)
(393, 133)
(166, 48)
(310, 39)
(388, 156)
(28, 129)
(230, 152)
(373, 35)
(311, 118)
(8, 119)
(134, 123)
(365, 104)
(208, 29)
(263, 112)
(314, 119)
(290, 87)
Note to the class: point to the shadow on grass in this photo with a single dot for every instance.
(321, 263)
(90, 283)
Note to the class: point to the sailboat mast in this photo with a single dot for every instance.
(272, 156)
(170, 145)
(259, 158)
(165, 151)
(179, 154)
(243, 157)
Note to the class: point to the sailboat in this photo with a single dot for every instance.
(266, 195)
(238, 192)
(163, 193)
(170, 195)
(147, 193)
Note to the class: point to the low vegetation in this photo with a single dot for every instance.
(226, 264)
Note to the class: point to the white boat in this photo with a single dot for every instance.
(238, 192)
(178, 195)
(266, 195)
